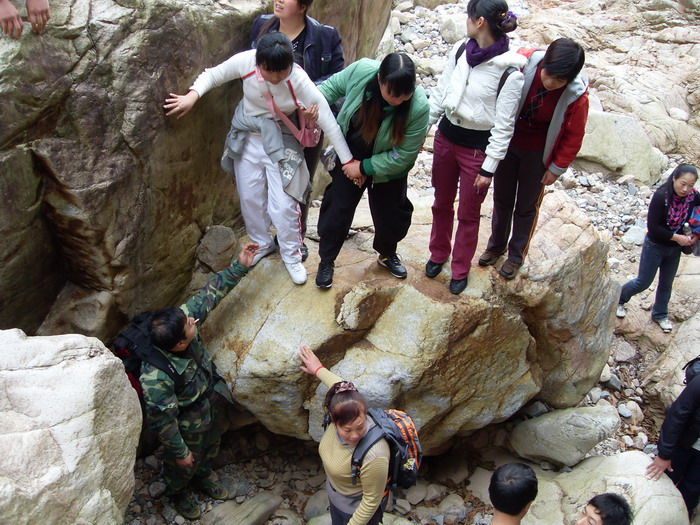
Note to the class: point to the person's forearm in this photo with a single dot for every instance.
(214, 291)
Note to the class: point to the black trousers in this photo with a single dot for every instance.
(311, 156)
(340, 518)
(391, 213)
(686, 475)
(517, 195)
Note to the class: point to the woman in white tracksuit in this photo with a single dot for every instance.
(271, 179)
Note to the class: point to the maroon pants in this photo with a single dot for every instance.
(455, 166)
(517, 195)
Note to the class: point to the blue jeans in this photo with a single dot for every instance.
(654, 257)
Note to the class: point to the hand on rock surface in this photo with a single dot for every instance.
(180, 105)
(311, 362)
(548, 178)
(38, 11)
(657, 467)
(186, 462)
(248, 251)
(10, 21)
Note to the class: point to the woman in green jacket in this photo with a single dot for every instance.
(384, 119)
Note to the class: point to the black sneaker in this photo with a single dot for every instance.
(304, 252)
(324, 275)
(433, 269)
(457, 286)
(393, 264)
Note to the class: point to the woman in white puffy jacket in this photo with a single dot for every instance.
(477, 97)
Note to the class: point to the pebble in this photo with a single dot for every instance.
(179, 520)
(152, 462)
(434, 492)
(157, 489)
(624, 411)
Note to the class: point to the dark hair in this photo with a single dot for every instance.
(613, 508)
(398, 73)
(496, 14)
(168, 327)
(273, 19)
(274, 52)
(564, 59)
(345, 406)
(681, 169)
(512, 487)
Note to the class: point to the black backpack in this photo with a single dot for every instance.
(133, 346)
(406, 454)
(691, 368)
(504, 76)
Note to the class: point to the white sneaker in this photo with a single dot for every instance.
(263, 252)
(296, 271)
(621, 313)
(664, 323)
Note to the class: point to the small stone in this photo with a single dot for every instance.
(434, 492)
(640, 441)
(624, 411)
(452, 504)
(636, 411)
(546, 465)
(157, 489)
(151, 520)
(416, 494)
(614, 383)
(179, 520)
(627, 441)
(535, 409)
(652, 450)
(595, 394)
(605, 374)
(402, 506)
(152, 462)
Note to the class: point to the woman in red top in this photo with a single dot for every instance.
(548, 135)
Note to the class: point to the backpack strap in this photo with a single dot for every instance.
(460, 51)
(375, 434)
(504, 77)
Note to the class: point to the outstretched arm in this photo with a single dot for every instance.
(180, 105)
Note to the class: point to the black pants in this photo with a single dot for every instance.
(517, 195)
(686, 475)
(391, 213)
(340, 518)
(311, 156)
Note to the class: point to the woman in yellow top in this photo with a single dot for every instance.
(362, 503)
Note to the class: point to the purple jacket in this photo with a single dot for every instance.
(323, 52)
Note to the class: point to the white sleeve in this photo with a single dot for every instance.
(437, 94)
(234, 67)
(504, 121)
(308, 94)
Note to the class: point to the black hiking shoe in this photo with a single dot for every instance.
(457, 286)
(186, 505)
(324, 275)
(393, 264)
(433, 269)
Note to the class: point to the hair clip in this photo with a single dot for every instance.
(508, 17)
(345, 386)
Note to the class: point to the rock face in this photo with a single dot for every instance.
(564, 437)
(106, 199)
(561, 497)
(455, 363)
(71, 421)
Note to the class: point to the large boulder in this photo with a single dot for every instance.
(69, 426)
(564, 437)
(455, 363)
(107, 199)
(560, 497)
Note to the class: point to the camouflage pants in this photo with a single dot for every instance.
(204, 447)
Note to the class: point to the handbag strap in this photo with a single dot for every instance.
(274, 109)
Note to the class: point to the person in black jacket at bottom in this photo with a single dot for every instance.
(679, 445)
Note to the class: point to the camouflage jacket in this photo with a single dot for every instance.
(171, 413)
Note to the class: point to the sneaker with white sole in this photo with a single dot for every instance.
(664, 323)
(263, 252)
(620, 312)
(296, 271)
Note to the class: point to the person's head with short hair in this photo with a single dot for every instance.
(274, 57)
(606, 509)
(513, 488)
(172, 330)
(561, 64)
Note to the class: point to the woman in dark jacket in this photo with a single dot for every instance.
(669, 210)
(317, 49)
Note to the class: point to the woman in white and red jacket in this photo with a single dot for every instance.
(548, 135)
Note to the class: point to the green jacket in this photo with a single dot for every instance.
(173, 414)
(387, 162)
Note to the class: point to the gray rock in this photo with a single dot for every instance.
(255, 511)
(325, 519)
(614, 383)
(454, 28)
(217, 248)
(624, 411)
(640, 441)
(564, 437)
(452, 504)
(285, 517)
(152, 462)
(636, 411)
(652, 450)
(316, 505)
(179, 520)
(605, 374)
(434, 492)
(634, 236)
(416, 493)
(627, 441)
(156, 489)
(535, 409)
(624, 352)
(402, 506)
(595, 394)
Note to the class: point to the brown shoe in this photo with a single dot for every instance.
(488, 258)
(509, 269)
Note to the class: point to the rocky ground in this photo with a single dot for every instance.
(257, 461)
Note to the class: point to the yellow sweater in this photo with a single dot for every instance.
(336, 459)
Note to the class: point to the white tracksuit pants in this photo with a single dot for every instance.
(264, 202)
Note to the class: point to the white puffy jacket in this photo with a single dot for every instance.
(467, 97)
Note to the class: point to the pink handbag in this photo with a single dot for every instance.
(308, 133)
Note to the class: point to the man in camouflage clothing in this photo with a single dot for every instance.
(183, 412)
